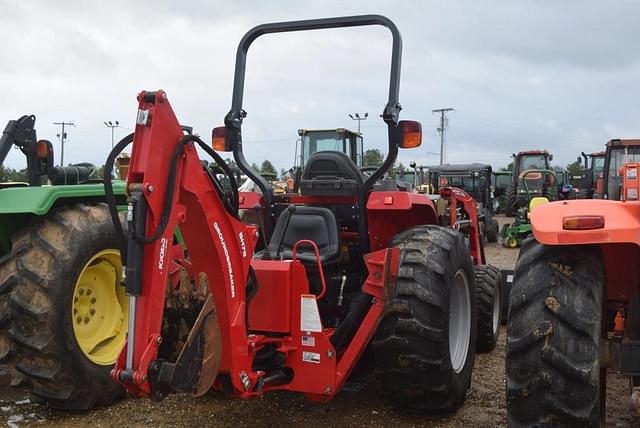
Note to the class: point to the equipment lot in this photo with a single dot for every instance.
(358, 405)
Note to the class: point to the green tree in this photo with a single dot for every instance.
(574, 168)
(372, 157)
(268, 168)
(255, 167)
(9, 174)
(508, 167)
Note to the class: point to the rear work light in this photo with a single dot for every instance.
(583, 222)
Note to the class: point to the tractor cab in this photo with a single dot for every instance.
(618, 153)
(342, 140)
(513, 234)
(584, 182)
(516, 195)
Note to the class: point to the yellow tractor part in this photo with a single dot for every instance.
(99, 308)
(536, 202)
(512, 242)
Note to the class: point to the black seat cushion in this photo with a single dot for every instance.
(330, 173)
(313, 223)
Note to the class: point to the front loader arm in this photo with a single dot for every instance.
(169, 188)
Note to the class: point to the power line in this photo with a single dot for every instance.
(442, 130)
(63, 136)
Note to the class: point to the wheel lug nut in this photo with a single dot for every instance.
(92, 311)
(75, 300)
(79, 320)
(93, 300)
(75, 311)
(81, 292)
(86, 319)
(88, 292)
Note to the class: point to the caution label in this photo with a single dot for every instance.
(311, 357)
(309, 314)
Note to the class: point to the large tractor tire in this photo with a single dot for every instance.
(510, 206)
(493, 230)
(553, 339)
(425, 343)
(63, 310)
(489, 304)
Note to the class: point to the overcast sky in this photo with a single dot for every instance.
(521, 75)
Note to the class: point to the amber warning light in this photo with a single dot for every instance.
(586, 222)
(218, 139)
(411, 134)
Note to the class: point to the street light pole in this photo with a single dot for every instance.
(359, 118)
(113, 126)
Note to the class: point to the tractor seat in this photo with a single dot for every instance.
(330, 173)
(302, 222)
(536, 202)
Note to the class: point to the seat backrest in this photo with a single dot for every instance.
(330, 173)
(536, 202)
(317, 224)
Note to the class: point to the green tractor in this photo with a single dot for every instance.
(516, 196)
(512, 235)
(500, 181)
(63, 313)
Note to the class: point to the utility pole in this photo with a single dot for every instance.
(63, 136)
(444, 124)
(113, 126)
(359, 119)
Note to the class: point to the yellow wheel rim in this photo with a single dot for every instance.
(512, 243)
(99, 308)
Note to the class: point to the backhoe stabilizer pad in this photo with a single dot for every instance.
(199, 361)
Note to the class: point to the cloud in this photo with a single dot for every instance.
(521, 75)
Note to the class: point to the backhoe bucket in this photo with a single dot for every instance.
(197, 365)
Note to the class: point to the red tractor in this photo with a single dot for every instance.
(352, 266)
(575, 304)
(609, 181)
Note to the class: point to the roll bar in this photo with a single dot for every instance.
(233, 119)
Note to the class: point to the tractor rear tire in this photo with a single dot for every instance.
(510, 207)
(493, 230)
(39, 285)
(425, 343)
(553, 340)
(489, 304)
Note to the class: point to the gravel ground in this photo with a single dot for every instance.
(358, 405)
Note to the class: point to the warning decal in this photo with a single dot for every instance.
(309, 314)
(311, 357)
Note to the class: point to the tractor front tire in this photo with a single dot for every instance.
(510, 207)
(554, 329)
(425, 343)
(489, 303)
(60, 293)
(493, 230)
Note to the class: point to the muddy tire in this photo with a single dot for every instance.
(554, 327)
(493, 230)
(510, 207)
(489, 303)
(38, 285)
(425, 343)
